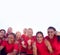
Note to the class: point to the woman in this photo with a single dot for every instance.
(54, 40)
(30, 40)
(2, 52)
(21, 44)
(10, 47)
(3, 32)
(41, 46)
(9, 30)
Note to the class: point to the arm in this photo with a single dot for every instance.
(58, 33)
(1, 47)
(34, 49)
(58, 36)
(23, 44)
(29, 43)
(15, 50)
(12, 53)
(49, 46)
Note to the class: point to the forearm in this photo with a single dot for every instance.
(12, 53)
(29, 47)
(34, 52)
(48, 46)
(1, 47)
(34, 49)
(50, 49)
(24, 46)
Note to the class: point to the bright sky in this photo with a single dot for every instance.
(37, 14)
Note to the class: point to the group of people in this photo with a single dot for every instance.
(27, 44)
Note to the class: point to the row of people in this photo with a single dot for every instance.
(27, 44)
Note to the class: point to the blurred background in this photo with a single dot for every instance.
(36, 14)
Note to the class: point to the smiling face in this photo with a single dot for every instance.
(9, 30)
(18, 35)
(3, 32)
(1, 35)
(30, 32)
(25, 31)
(11, 38)
(39, 37)
(51, 33)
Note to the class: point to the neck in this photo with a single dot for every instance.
(30, 36)
(10, 42)
(51, 37)
(1, 38)
(40, 41)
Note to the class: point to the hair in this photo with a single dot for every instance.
(52, 28)
(3, 30)
(13, 35)
(18, 32)
(58, 37)
(39, 32)
(30, 29)
(24, 29)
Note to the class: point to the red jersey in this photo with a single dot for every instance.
(10, 47)
(55, 45)
(30, 51)
(24, 37)
(42, 49)
(1, 42)
(21, 48)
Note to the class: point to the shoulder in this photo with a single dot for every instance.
(16, 42)
(46, 42)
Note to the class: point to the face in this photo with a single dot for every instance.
(51, 33)
(1, 35)
(11, 38)
(18, 35)
(25, 31)
(9, 30)
(30, 32)
(39, 37)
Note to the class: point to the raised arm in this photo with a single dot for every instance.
(34, 49)
(49, 46)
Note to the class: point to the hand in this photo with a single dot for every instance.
(23, 42)
(16, 42)
(8, 54)
(58, 33)
(29, 42)
(11, 54)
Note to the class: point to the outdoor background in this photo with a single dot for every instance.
(37, 14)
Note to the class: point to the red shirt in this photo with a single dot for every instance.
(42, 49)
(1, 41)
(10, 47)
(30, 51)
(21, 48)
(24, 37)
(6, 35)
(55, 44)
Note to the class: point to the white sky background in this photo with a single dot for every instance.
(37, 14)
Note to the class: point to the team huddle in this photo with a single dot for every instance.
(27, 44)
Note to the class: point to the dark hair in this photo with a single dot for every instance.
(3, 30)
(39, 32)
(52, 28)
(12, 34)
